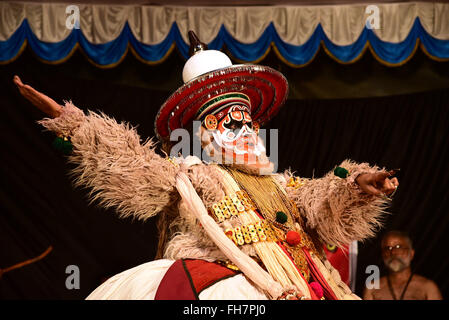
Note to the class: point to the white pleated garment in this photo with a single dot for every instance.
(141, 283)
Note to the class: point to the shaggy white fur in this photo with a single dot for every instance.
(337, 208)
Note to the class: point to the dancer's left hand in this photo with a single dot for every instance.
(378, 183)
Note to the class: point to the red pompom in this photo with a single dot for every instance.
(293, 238)
(317, 288)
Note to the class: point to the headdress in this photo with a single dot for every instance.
(212, 84)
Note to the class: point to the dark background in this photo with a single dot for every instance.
(393, 117)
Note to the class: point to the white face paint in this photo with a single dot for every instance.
(239, 141)
(236, 141)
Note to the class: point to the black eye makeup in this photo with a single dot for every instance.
(233, 125)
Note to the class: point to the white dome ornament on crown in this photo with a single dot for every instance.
(202, 60)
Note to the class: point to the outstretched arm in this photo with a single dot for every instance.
(344, 209)
(119, 170)
(46, 104)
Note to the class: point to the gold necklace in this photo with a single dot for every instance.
(257, 188)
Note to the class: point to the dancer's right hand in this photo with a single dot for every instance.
(38, 99)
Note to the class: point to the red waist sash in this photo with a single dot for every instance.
(186, 278)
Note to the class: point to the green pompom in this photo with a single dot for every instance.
(341, 172)
(67, 147)
(58, 143)
(63, 145)
(281, 217)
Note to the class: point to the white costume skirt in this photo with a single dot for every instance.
(142, 282)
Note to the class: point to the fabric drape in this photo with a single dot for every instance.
(295, 32)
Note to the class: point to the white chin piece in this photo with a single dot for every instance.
(204, 61)
(228, 144)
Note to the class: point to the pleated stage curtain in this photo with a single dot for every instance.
(392, 32)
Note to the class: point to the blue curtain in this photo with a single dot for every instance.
(111, 53)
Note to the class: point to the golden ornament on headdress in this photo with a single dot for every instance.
(211, 122)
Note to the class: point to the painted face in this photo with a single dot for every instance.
(237, 137)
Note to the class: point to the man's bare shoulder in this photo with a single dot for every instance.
(428, 286)
(423, 281)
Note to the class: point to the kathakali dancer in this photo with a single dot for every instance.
(229, 229)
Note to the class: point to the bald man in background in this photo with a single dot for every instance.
(401, 283)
